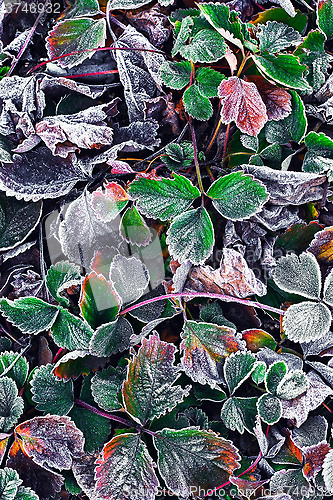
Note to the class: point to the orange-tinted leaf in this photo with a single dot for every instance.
(256, 339)
(108, 204)
(51, 440)
(314, 458)
(298, 236)
(289, 453)
(242, 103)
(277, 100)
(99, 303)
(322, 246)
(76, 363)
(3, 444)
(44, 482)
(247, 487)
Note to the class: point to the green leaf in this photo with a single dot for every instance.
(178, 155)
(275, 374)
(191, 236)
(291, 128)
(259, 373)
(237, 368)
(125, 467)
(197, 105)
(328, 289)
(70, 332)
(133, 228)
(237, 196)
(189, 458)
(9, 483)
(206, 46)
(105, 387)
(76, 363)
(282, 68)
(51, 394)
(165, 198)
(325, 17)
(29, 314)
(75, 35)
(19, 371)
(293, 385)
(11, 405)
(319, 156)
(307, 321)
(274, 36)
(18, 219)
(239, 414)
(24, 493)
(95, 428)
(298, 22)
(111, 338)
(129, 277)
(270, 409)
(204, 346)
(208, 80)
(183, 32)
(99, 302)
(80, 8)
(60, 276)
(5, 149)
(212, 313)
(312, 53)
(299, 274)
(148, 391)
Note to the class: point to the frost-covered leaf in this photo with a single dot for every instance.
(191, 236)
(206, 46)
(80, 8)
(256, 339)
(110, 202)
(24, 493)
(291, 128)
(95, 428)
(29, 314)
(237, 368)
(126, 466)
(76, 363)
(269, 408)
(324, 17)
(292, 385)
(133, 228)
(99, 303)
(204, 346)
(285, 69)
(19, 371)
(105, 387)
(237, 196)
(306, 321)
(148, 391)
(38, 174)
(312, 432)
(70, 332)
(328, 471)
(240, 414)
(276, 100)
(208, 81)
(197, 105)
(192, 457)
(165, 198)
(17, 220)
(178, 156)
(176, 75)
(312, 53)
(258, 374)
(291, 480)
(242, 103)
(51, 394)
(52, 440)
(328, 289)
(111, 338)
(11, 405)
(130, 277)
(275, 374)
(75, 35)
(60, 276)
(274, 36)
(319, 155)
(9, 483)
(299, 274)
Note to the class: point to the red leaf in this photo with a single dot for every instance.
(277, 101)
(314, 458)
(242, 103)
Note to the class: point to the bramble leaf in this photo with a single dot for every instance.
(125, 466)
(76, 363)
(328, 289)
(208, 81)
(129, 277)
(60, 276)
(237, 368)
(24, 493)
(240, 414)
(29, 314)
(306, 321)
(178, 155)
(291, 128)
(176, 75)
(148, 391)
(71, 332)
(105, 387)
(19, 371)
(192, 457)
(325, 17)
(191, 236)
(109, 203)
(274, 36)
(292, 385)
(242, 103)
(258, 374)
(165, 198)
(312, 53)
(328, 471)
(51, 394)
(204, 346)
(196, 104)
(206, 46)
(95, 428)
(11, 405)
(51, 440)
(276, 100)
(9, 483)
(319, 156)
(275, 374)
(237, 196)
(133, 228)
(270, 409)
(111, 338)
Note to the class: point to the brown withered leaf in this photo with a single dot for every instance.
(234, 277)
(322, 246)
(242, 103)
(277, 100)
(153, 22)
(163, 110)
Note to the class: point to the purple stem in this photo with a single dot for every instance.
(224, 298)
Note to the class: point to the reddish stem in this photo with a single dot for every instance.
(93, 74)
(56, 357)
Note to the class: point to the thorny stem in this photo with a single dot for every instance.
(196, 161)
(224, 298)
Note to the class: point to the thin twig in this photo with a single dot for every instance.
(13, 363)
